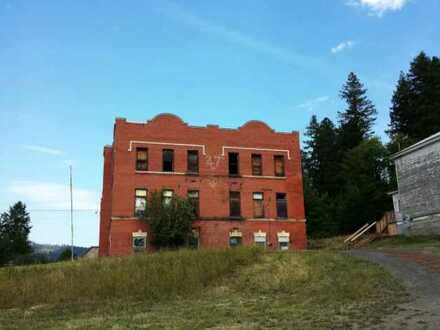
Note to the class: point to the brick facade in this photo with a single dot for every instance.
(213, 182)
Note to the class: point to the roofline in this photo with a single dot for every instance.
(421, 144)
(212, 126)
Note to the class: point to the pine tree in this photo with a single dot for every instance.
(356, 122)
(415, 109)
(365, 169)
(310, 159)
(328, 158)
(14, 231)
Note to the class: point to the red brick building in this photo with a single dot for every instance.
(247, 183)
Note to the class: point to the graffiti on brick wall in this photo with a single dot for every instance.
(213, 162)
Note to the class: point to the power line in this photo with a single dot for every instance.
(62, 210)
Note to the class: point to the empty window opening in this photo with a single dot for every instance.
(168, 160)
(234, 204)
(281, 205)
(193, 197)
(233, 163)
(193, 161)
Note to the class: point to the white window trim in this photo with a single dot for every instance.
(256, 149)
(132, 142)
(139, 234)
(235, 233)
(260, 237)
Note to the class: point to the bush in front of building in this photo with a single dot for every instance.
(170, 220)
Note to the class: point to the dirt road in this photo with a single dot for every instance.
(420, 273)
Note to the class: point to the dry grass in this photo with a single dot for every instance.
(248, 289)
(154, 277)
(333, 243)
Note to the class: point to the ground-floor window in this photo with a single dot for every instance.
(283, 240)
(139, 241)
(194, 239)
(260, 239)
(235, 237)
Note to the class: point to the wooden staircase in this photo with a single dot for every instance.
(386, 226)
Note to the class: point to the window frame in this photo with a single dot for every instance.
(189, 166)
(164, 152)
(260, 167)
(145, 198)
(233, 207)
(258, 200)
(191, 199)
(230, 164)
(139, 235)
(279, 216)
(258, 242)
(140, 161)
(164, 198)
(277, 158)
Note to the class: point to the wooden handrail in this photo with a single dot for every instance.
(355, 233)
(363, 231)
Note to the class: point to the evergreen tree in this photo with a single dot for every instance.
(14, 231)
(327, 154)
(365, 169)
(415, 109)
(356, 122)
(310, 157)
(321, 155)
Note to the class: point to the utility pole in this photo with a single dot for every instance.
(71, 212)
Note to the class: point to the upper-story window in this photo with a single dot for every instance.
(167, 160)
(167, 196)
(234, 204)
(141, 159)
(234, 167)
(258, 204)
(279, 165)
(257, 164)
(193, 197)
(140, 205)
(281, 205)
(193, 161)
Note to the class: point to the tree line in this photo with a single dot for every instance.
(347, 169)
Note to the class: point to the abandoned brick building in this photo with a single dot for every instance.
(247, 183)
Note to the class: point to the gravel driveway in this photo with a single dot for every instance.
(419, 273)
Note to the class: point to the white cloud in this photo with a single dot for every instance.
(44, 150)
(310, 105)
(342, 46)
(47, 195)
(379, 7)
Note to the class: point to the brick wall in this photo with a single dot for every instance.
(214, 183)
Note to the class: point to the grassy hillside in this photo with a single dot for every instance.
(231, 289)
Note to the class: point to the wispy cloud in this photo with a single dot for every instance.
(177, 13)
(47, 195)
(379, 7)
(44, 150)
(311, 104)
(342, 46)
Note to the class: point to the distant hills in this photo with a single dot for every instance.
(52, 252)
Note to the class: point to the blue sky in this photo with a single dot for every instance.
(68, 68)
